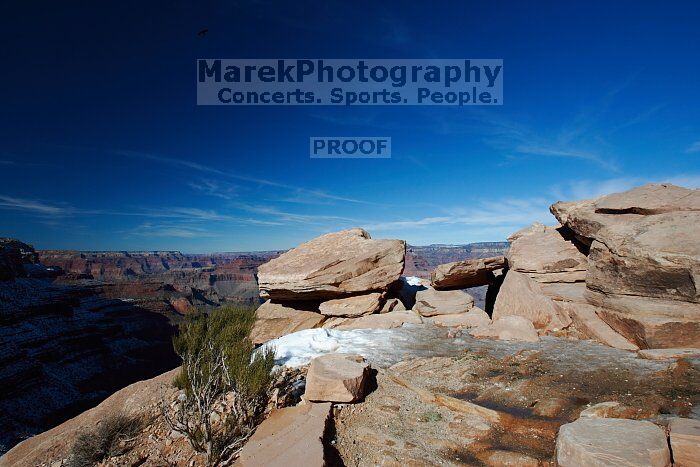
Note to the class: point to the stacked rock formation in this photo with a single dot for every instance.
(337, 278)
(621, 269)
(347, 280)
(643, 263)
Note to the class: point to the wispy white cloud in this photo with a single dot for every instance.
(289, 217)
(694, 147)
(150, 229)
(33, 206)
(314, 193)
(503, 216)
(214, 188)
(488, 213)
(192, 215)
(587, 189)
(563, 151)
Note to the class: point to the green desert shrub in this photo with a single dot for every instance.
(113, 436)
(219, 364)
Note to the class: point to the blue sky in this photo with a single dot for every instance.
(103, 147)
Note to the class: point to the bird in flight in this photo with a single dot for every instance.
(203, 32)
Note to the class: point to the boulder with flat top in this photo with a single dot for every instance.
(331, 266)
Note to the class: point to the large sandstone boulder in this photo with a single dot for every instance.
(332, 266)
(508, 328)
(644, 261)
(273, 320)
(288, 437)
(520, 295)
(655, 256)
(337, 378)
(393, 319)
(684, 435)
(352, 307)
(587, 217)
(602, 442)
(547, 254)
(467, 273)
(431, 302)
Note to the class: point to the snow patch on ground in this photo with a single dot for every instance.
(385, 347)
(299, 348)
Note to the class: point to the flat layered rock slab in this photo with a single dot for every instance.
(650, 323)
(508, 328)
(602, 442)
(473, 318)
(587, 217)
(684, 435)
(467, 273)
(337, 378)
(333, 266)
(669, 354)
(431, 302)
(292, 436)
(391, 320)
(273, 320)
(351, 307)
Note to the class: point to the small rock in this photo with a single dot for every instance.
(392, 304)
(602, 442)
(610, 409)
(510, 458)
(430, 302)
(336, 378)
(550, 407)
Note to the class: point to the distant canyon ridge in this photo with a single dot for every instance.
(181, 281)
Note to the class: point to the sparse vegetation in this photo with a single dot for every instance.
(113, 436)
(219, 369)
(428, 417)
